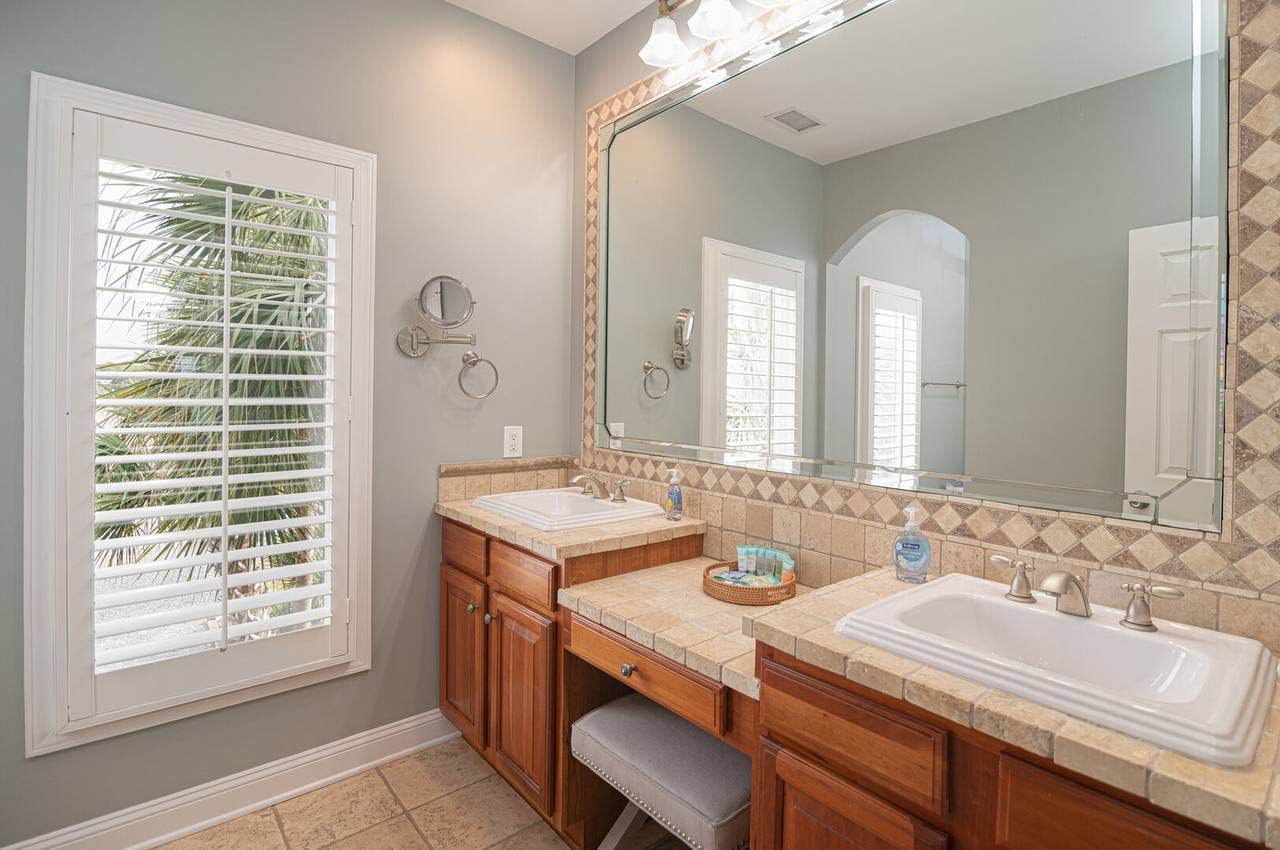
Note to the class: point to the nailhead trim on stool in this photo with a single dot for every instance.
(652, 812)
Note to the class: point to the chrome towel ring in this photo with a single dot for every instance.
(649, 368)
(469, 361)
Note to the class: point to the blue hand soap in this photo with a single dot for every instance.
(911, 551)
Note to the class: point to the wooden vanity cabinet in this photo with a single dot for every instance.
(522, 698)
(497, 657)
(807, 806)
(841, 766)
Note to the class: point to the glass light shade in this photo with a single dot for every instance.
(770, 4)
(665, 48)
(715, 19)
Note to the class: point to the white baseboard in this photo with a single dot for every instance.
(164, 819)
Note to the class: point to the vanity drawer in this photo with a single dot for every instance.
(521, 575)
(1036, 809)
(464, 548)
(691, 695)
(869, 743)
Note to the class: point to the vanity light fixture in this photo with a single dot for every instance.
(712, 21)
(665, 48)
(715, 19)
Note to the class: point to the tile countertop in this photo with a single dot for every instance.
(1241, 801)
(560, 545)
(664, 609)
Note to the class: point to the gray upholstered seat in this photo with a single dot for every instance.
(695, 785)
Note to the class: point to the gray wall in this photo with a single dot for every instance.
(1047, 196)
(473, 128)
(926, 254)
(674, 179)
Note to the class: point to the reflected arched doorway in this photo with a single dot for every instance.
(897, 293)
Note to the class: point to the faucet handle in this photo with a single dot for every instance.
(1138, 614)
(1020, 584)
(1138, 588)
(619, 491)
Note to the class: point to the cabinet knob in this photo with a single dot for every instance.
(472, 607)
(627, 670)
(488, 618)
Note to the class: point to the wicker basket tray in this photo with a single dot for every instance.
(746, 595)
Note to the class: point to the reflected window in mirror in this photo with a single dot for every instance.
(889, 383)
(756, 299)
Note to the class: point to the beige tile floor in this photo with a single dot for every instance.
(443, 798)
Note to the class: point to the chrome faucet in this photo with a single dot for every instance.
(1138, 614)
(591, 486)
(1070, 593)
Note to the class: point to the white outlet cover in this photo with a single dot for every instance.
(513, 441)
(617, 430)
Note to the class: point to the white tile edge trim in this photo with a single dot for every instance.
(184, 812)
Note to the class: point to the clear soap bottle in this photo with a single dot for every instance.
(912, 552)
(675, 497)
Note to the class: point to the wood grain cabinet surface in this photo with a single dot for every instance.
(842, 766)
(802, 806)
(462, 653)
(522, 698)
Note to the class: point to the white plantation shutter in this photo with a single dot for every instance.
(760, 369)
(891, 354)
(208, 466)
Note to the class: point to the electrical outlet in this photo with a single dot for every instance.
(617, 430)
(513, 441)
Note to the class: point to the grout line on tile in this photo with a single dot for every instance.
(280, 826)
(405, 811)
(403, 808)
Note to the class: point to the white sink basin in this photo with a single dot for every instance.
(557, 510)
(1200, 692)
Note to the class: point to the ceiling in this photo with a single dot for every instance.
(569, 25)
(912, 68)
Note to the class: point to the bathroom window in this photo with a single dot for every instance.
(204, 533)
(889, 379)
(756, 328)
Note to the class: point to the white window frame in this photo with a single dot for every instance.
(711, 419)
(54, 102)
(864, 386)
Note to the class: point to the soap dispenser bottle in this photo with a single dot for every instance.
(675, 497)
(912, 552)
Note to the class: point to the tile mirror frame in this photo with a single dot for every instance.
(772, 33)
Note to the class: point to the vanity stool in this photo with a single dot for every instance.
(695, 785)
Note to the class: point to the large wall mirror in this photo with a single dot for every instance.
(967, 248)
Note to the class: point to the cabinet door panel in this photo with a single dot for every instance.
(800, 806)
(893, 753)
(1037, 809)
(521, 694)
(462, 653)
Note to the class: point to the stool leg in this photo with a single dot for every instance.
(629, 821)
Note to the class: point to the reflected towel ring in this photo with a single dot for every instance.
(469, 361)
(649, 368)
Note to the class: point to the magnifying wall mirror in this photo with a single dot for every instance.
(445, 302)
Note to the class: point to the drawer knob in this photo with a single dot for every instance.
(488, 618)
(627, 670)
(472, 607)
